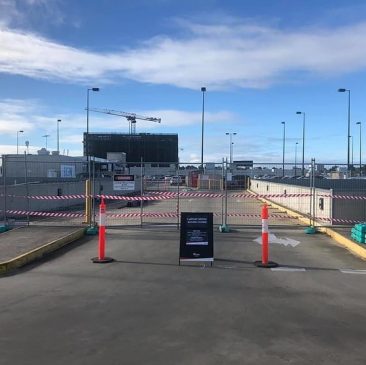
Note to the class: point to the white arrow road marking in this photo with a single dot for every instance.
(351, 271)
(288, 269)
(281, 241)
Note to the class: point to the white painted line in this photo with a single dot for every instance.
(351, 271)
(225, 267)
(293, 269)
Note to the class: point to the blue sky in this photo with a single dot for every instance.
(261, 61)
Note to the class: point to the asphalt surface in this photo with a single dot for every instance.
(146, 309)
(21, 240)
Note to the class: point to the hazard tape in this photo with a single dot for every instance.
(148, 214)
(154, 196)
(45, 214)
(129, 215)
(56, 197)
(175, 215)
(168, 215)
(350, 197)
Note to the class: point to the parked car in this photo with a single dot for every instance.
(176, 180)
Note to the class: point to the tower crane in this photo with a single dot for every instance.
(131, 117)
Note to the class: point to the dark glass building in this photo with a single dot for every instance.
(155, 148)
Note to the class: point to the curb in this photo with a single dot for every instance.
(351, 246)
(39, 252)
(345, 242)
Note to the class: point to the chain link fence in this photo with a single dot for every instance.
(36, 190)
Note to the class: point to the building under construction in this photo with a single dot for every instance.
(153, 148)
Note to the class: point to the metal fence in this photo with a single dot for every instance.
(39, 191)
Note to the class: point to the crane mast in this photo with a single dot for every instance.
(131, 117)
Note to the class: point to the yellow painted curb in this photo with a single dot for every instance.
(345, 242)
(39, 252)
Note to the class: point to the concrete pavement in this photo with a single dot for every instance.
(145, 309)
(23, 245)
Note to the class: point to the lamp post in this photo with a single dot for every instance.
(349, 125)
(58, 135)
(18, 140)
(296, 158)
(351, 150)
(88, 192)
(283, 148)
(359, 123)
(203, 89)
(87, 128)
(231, 145)
(46, 136)
(303, 143)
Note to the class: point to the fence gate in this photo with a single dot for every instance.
(45, 192)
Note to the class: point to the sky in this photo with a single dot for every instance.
(261, 61)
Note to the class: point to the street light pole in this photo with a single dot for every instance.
(303, 143)
(359, 123)
(46, 136)
(351, 150)
(88, 192)
(203, 89)
(18, 141)
(283, 148)
(349, 125)
(87, 128)
(58, 135)
(231, 145)
(296, 158)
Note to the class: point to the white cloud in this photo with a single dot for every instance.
(24, 12)
(8, 12)
(15, 115)
(180, 118)
(217, 56)
(33, 117)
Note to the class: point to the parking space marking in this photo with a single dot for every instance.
(292, 269)
(351, 271)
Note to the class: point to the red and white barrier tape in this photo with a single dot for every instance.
(45, 214)
(129, 215)
(171, 195)
(166, 215)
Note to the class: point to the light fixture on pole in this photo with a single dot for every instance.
(303, 143)
(349, 125)
(359, 123)
(283, 148)
(46, 136)
(203, 89)
(231, 145)
(58, 136)
(18, 140)
(296, 158)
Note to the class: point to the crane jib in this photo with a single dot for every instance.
(131, 117)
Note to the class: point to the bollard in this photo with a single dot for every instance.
(264, 216)
(102, 259)
(265, 242)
